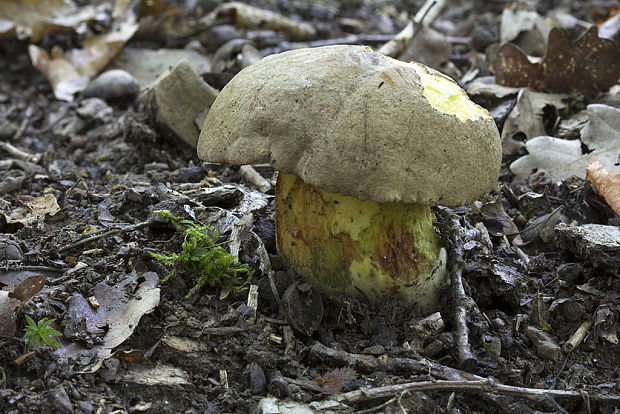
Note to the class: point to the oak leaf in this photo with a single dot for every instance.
(589, 65)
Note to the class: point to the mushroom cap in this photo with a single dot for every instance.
(353, 121)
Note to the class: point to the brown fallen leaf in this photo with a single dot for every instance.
(70, 71)
(589, 65)
(606, 182)
(35, 19)
(27, 288)
(249, 17)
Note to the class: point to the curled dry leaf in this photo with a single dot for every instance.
(252, 18)
(69, 72)
(606, 182)
(121, 306)
(561, 158)
(589, 65)
(34, 211)
(63, 77)
(35, 19)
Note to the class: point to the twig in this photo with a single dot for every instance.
(250, 175)
(377, 407)
(575, 340)
(320, 353)
(347, 40)
(454, 234)
(424, 17)
(24, 124)
(32, 268)
(483, 385)
(98, 235)
(16, 152)
(222, 330)
(61, 114)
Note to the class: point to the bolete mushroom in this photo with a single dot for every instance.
(364, 144)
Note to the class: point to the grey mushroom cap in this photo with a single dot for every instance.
(355, 122)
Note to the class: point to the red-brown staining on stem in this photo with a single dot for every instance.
(396, 254)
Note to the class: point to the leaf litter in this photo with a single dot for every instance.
(537, 256)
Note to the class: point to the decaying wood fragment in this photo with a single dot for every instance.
(18, 153)
(252, 176)
(575, 340)
(253, 302)
(249, 17)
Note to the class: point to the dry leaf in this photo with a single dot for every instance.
(248, 17)
(588, 65)
(121, 306)
(561, 158)
(63, 77)
(606, 182)
(69, 72)
(35, 19)
(27, 288)
(527, 116)
(34, 211)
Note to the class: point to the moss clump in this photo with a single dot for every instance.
(202, 258)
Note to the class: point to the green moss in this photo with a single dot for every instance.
(202, 259)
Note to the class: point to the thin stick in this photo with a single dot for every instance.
(485, 385)
(96, 236)
(396, 45)
(16, 152)
(24, 124)
(454, 237)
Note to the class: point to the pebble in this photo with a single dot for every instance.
(96, 109)
(60, 400)
(258, 380)
(493, 347)
(13, 252)
(86, 407)
(375, 350)
(7, 130)
(113, 85)
(570, 272)
(593, 243)
(10, 184)
(546, 347)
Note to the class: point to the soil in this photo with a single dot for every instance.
(210, 353)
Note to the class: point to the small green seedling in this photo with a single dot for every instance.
(202, 258)
(40, 334)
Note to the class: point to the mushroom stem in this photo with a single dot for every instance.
(346, 245)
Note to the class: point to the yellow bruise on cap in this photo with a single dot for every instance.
(446, 96)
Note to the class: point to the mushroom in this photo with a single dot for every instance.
(364, 144)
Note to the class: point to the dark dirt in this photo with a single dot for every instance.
(105, 175)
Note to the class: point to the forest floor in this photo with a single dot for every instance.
(534, 329)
